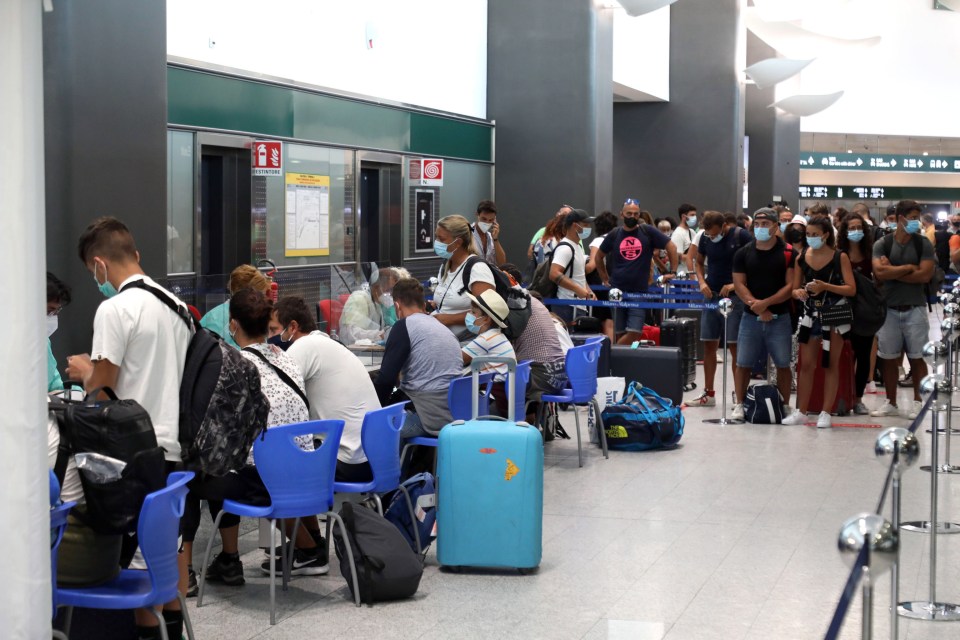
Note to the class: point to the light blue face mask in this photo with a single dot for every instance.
(107, 288)
(440, 248)
(692, 222)
(718, 237)
(814, 242)
(585, 233)
(855, 236)
(762, 233)
(471, 322)
(783, 227)
(913, 226)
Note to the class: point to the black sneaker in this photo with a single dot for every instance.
(193, 588)
(305, 562)
(226, 569)
(317, 539)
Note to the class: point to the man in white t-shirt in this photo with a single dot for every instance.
(569, 261)
(139, 350)
(684, 233)
(338, 385)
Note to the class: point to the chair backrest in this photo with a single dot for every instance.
(581, 366)
(157, 532)
(299, 482)
(54, 488)
(520, 383)
(459, 396)
(58, 524)
(380, 436)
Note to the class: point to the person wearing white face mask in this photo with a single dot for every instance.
(369, 312)
(568, 267)
(486, 234)
(58, 296)
(683, 235)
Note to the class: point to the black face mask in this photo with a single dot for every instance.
(630, 223)
(275, 340)
(794, 236)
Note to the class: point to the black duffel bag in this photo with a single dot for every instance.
(387, 568)
(104, 435)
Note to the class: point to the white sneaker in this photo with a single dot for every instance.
(703, 400)
(795, 418)
(824, 421)
(737, 413)
(885, 410)
(913, 410)
(870, 388)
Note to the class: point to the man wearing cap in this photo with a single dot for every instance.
(568, 269)
(487, 316)
(486, 234)
(762, 278)
(631, 248)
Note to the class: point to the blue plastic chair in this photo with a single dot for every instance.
(581, 365)
(521, 381)
(380, 437)
(58, 524)
(157, 532)
(300, 483)
(460, 402)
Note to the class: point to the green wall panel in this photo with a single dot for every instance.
(206, 100)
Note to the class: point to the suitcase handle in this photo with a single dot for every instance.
(476, 365)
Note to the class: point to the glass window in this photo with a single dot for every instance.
(308, 217)
(180, 213)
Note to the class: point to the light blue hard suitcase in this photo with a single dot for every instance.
(490, 485)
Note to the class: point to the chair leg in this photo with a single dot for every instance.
(273, 571)
(206, 558)
(186, 616)
(576, 419)
(163, 623)
(379, 503)
(67, 619)
(601, 431)
(403, 456)
(331, 518)
(413, 519)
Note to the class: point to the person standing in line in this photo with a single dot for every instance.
(534, 251)
(762, 278)
(903, 262)
(853, 241)
(602, 225)
(486, 234)
(683, 235)
(568, 269)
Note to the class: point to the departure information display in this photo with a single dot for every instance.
(879, 162)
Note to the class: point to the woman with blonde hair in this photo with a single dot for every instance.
(462, 272)
(217, 320)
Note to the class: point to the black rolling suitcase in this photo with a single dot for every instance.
(695, 316)
(603, 366)
(656, 367)
(682, 333)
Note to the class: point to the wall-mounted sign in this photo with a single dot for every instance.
(307, 231)
(857, 192)
(879, 162)
(423, 226)
(267, 158)
(426, 172)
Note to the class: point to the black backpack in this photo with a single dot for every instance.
(222, 408)
(541, 282)
(518, 300)
(387, 568)
(117, 429)
(869, 306)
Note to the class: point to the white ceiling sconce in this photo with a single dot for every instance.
(640, 7)
(772, 71)
(807, 105)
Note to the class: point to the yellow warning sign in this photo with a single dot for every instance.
(512, 470)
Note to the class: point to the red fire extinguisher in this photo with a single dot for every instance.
(274, 291)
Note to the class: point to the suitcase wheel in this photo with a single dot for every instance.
(690, 387)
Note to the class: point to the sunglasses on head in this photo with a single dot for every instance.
(631, 201)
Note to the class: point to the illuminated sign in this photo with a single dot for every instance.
(879, 162)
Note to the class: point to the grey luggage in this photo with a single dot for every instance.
(659, 368)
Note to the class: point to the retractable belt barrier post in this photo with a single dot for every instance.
(725, 306)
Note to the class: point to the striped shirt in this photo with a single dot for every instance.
(491, 342)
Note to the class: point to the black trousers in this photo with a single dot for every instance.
(862, 346)
(243, 486)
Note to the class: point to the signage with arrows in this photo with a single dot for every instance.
(879, 162)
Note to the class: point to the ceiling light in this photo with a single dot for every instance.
(640, 7)
(771, 71)
(925, 153)
(807, 105)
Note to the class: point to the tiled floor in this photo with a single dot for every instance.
(732, 535)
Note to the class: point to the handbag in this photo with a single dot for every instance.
(643, 421)
(839, 313)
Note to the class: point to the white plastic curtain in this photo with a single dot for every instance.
(25, 609)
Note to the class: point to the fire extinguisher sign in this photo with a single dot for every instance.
(267, 158)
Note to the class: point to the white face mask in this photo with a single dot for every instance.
(485, 226)
(52, 324)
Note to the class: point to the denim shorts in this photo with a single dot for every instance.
(712, 323)
(904, 331)
(755, 335)
(630, 319)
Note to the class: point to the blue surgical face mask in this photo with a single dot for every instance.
(440, 248)
(107, 288)
(471, 322)
(585, 233)
(783, 227)
(692, 221)
(718, 237)
(855, 236)
(814, 242)
(762, 233)
(913, 226)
